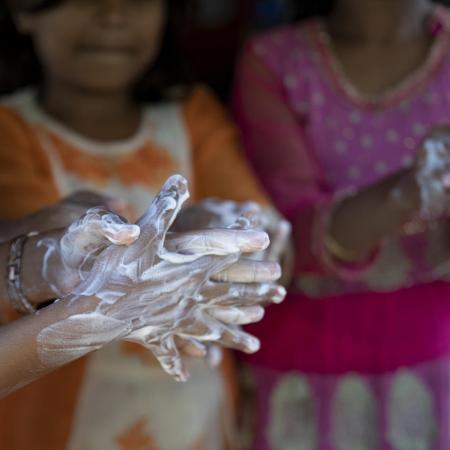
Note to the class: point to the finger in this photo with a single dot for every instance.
(225, 294)
(217, 242)
(237, 316)
(191, 347)
(186, 275)
(117, 231)
(202, 268)
(250, 271)
(102, 224)
(92, 233)
(170, 359)
(279, 241)
(206, 266)
(155, 223)
(166, 204)
(234, 338)
(211, 330)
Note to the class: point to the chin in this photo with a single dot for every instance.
(105, 81)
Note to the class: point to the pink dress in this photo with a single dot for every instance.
(357, 358)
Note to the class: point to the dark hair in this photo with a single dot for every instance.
(20, 67)
(311, 8)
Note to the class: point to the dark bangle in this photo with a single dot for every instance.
(13, 277)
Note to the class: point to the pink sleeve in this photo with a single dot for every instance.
(276, 144)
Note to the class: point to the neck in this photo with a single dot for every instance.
(103, 116)
(379, 21)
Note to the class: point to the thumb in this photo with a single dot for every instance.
(94, 231)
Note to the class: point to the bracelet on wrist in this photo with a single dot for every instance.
(14, 276)
(338, 251)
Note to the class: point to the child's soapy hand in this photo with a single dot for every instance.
(432, 170)
(216, 213)
(213, 213)
(423, 190)
(156, 288)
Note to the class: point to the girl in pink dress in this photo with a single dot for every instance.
(336, 114)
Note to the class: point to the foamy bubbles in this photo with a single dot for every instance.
(154, 287)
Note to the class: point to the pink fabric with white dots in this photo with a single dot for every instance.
(351, 360)
(310, 136)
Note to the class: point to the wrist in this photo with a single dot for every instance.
(35, 288)
(340, 252)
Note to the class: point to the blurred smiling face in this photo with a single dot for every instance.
(99, 45)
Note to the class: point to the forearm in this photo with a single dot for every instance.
(34, 222)
(54, 217)
(20, 361)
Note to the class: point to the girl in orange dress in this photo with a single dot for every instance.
(96, 109)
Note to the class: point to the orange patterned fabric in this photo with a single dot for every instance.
(26, 179)
(52, 413)
(220, 169)
(129, 169)
(136, 437)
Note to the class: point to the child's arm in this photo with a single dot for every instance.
(20, 362)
